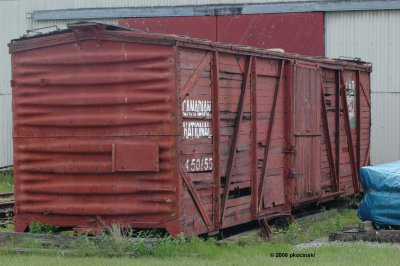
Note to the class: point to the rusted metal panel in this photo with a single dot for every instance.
(69, 93)
(102, 115)
(135, 158)
(164, 131)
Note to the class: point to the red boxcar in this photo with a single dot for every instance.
(164, 131)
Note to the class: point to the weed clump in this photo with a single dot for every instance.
(305, 231)
(6, 181)
(40, 228)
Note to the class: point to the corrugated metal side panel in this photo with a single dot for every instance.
(385, 133)
(373, 36)
(9, 29)
(6, 129)
(137, 104)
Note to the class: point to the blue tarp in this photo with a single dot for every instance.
(381, 201)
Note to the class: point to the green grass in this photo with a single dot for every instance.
(113, 246)
(6, 181)
(300, 232)
(353, 254)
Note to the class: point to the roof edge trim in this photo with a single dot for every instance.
(215, 10)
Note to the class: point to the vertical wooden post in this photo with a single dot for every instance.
(358, 121)
(253, 87)
(288, 134)
(349, 136)
(216, 139)
(337, 127)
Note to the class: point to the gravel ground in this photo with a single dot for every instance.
(325, 242)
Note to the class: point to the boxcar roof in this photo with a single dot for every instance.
(88, 30)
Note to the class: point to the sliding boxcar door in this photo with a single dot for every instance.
(307, 124)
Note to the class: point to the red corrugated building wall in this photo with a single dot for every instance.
(301, 33)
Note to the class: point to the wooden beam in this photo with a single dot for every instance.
(358, 121)
(365, 94)
(216, 139)
(366, 161)
(362, 88)
(337, 120)
(349, 137)
(196, 75)
(196, 199)
(254, 179)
